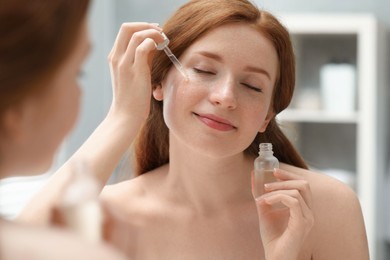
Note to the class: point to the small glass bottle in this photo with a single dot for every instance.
(264, 166)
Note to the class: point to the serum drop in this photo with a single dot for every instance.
(264, 167)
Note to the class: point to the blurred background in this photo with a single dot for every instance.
(339, 115)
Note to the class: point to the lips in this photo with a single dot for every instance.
(215, 122)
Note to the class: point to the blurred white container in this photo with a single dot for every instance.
(338, 87)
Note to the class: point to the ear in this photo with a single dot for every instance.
(158, 92)
(270, 116)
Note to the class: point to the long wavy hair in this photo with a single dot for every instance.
(192, 21)
(36, 37)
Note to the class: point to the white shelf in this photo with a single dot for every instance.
(368, 124)
(328, 23)
(317, 116)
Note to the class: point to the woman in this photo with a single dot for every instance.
(192, 198)
(42, 48)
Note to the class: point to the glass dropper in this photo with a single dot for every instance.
(171, 56)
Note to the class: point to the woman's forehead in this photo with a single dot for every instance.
(237, 43)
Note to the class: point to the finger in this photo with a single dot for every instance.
(275, 197)
(141, 59)
(137, 39)
(284, 175)
(302, 186)
(127, 30)
(300, 214)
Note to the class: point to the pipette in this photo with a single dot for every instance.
(171, 56)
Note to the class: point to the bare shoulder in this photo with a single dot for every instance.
(137, 193)
(326, 189)
(339, 231)
(332, 199)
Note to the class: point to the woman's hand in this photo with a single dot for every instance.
(105, 223)
(130, 66)
(285, 216)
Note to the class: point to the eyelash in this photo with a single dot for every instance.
(253, 88)
(203, 71)
(244, 84)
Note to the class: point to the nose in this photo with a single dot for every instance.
(223, 94)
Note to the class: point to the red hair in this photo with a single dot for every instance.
(36, 37)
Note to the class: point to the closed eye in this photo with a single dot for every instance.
(257, 89)
(203, 71)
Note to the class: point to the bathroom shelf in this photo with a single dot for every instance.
(351, 142)
(317, 116)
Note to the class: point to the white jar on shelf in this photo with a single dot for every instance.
(338, 87)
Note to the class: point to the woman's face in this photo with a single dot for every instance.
(226, 99)
(50, 116)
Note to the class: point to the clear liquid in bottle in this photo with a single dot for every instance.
(264, 166)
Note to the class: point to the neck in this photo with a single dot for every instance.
(207, 182)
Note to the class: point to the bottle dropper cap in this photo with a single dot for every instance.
(164, 44)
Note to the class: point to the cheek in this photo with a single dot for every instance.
(73, 104)
(172, 103)
(68, 105)
(256, 116)
(177, 93)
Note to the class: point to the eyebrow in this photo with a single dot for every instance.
(258, 70)
(211, 55)
(248, 68)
